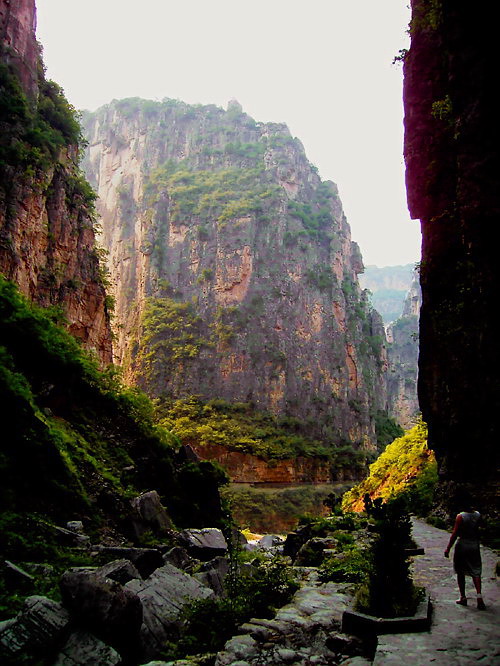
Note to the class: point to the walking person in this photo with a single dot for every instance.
(467, 556)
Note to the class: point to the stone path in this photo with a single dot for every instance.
(459, 635)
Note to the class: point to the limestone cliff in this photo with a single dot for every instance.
(453, 171)
(235, 274)
(402, 354)
(47, 242)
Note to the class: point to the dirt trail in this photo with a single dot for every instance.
(459, 636)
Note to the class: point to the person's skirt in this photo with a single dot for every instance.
(467, 557)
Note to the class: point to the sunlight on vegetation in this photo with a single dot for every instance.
(407, 467)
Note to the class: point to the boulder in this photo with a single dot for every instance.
(163, 596)
(146, 560)
(120, 570)
(312, 552)
(270, 541)
(150, 515)
(179, 557)
(75, 526)
(204, 544)
(213, 573)
(37, 628)
(84, 649)
(108, 609)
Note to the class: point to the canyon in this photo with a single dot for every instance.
(233, 269)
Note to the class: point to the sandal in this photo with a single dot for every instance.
(462, 601)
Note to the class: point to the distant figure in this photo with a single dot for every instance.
(467, 556)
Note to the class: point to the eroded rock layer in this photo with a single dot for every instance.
(235, 274)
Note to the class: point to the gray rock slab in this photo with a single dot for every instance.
(150, 514)
(204, 544)
(179, 557)
(120, 570)
(145, 560)
(36, 629)
(84, 649)
(163, 596)
(103, 605)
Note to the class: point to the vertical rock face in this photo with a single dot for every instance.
(402, 354)
(17, 35)
(452, 160)
(235, 274)
(47, 242)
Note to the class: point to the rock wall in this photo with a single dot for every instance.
(47, 241)
(402, 354)
(235, 274)
(246, 468)
(453, 171)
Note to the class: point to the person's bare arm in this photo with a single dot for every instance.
(454, 535)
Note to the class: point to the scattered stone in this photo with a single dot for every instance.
(84, 649)
(213, 573)
(120, 570)
(238, 648)
(108, 609)
(150, 515)
(204, 544)
(146, 560)
(69, 538)
(270, 540)
(179, 558)
(35, 630)
(311, 553)
(75, 526)
(163, 596)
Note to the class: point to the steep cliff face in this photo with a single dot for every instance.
(235, 274)
(47, 242)
(402, 354)
(452, 160)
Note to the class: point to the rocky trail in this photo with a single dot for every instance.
(302, 632)
(459, 635)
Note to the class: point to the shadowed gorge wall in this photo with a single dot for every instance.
(452, 161)
(235, 274)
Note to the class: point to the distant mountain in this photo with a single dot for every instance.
(389, 286)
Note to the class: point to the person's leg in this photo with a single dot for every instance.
(477, 584)
(461, 586)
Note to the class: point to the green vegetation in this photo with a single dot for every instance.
(171, 333)
(321, 277)
(386, 429)
(33, 134)
(238, 427)
(405, 467)
(315, 215)
(270, 510)
(209, 623)
(220, 195)
(76, 443)
(389, 590)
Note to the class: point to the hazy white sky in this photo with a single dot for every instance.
(322, 66)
